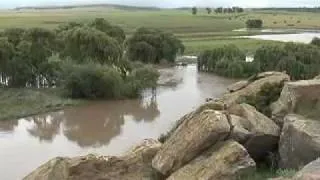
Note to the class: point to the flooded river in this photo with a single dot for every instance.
(107, 128)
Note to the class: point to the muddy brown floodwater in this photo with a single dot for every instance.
(107, 128)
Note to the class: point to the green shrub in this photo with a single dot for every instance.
(268, 94)
(151, 46)
(254, 23)
(316, 41)
(92, 81)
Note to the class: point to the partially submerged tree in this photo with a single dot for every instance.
(152, 46)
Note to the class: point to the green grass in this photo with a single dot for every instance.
(17, 103)
(198, 32)
(247, 45)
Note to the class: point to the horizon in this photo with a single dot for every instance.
(164, 4)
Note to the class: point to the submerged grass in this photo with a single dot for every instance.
(17, 103)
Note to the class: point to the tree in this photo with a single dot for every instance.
(254, 23)
(209, 10)
(219, 10)
(85, 43)
(152, 46)
(316, 41)
(194, 10)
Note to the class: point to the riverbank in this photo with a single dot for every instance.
(18, 103)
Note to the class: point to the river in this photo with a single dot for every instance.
(106, 127)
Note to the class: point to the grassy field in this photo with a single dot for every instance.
(198, 32)
(16, 103)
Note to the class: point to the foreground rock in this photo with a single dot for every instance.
(135, 165)
(258, 133)
(299, 142)
(309, 172)
(224, 161)
(254, 86)
(198, 131)
(301, 97)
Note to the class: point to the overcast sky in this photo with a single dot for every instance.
(167, 3)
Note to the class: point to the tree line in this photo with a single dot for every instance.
(219, 10)
(300, 61)
(86, 60)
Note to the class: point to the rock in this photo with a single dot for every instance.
(268, 74)
(254, 87)
(198, 131)
(299, 142)
(238, 85)
(301, 97)
(258, 133)
(225, 160)
(317, 77)
(55, 169)
(309, 172)
(135, 165)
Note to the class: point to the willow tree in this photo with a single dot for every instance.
(152, 46)
(85, 43)
(6, 54)
(111, 30)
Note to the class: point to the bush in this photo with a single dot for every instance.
(254, 23)
(100, 81)
(268, 94)
(316, 41)
(92, 81)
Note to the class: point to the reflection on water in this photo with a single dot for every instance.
(108, 128)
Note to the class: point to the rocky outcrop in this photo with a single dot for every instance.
(301, 97)
(135, 165)
(254, 86)
(224, 161)
(198, 131)
(309, 172)
(299, 142)
(258, 133)
(238, 86)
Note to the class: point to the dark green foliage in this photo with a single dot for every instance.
(92, 81)
(111, 30)
(151, 46)
(209, 10)
(300, 61)
(268, 94)
(100, 81)
(316, 41)
(194, 10)
(226, 61)
(254, 23)
(85, 59)
(86, 43)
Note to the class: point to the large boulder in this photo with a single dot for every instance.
(238, 85)
(198, 131)
(300, 97)
(258, 133)
(309, 172)
(299, 142)
(254, 87)
(225, 160)
(135, 165)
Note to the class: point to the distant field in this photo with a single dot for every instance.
(198, 32)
